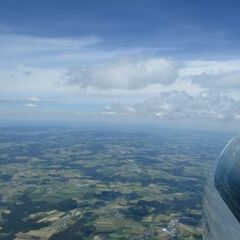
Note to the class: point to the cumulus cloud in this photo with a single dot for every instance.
(186, 89)
(123, 74)
(221, 75)
(176, 105)
(134, 74)
(229, 80)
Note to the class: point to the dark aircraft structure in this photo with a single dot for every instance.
(222, 196)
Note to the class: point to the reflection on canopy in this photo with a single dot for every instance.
(227, 178)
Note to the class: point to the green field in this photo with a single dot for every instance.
(68, 183)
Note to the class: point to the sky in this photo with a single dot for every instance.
(171, 62)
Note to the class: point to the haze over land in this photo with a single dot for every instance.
(103, 183)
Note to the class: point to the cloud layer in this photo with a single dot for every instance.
(123, 74)
(215, 75)
(175, 105)
(151, 87)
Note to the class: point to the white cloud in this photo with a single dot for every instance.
(119, 109)
(41, 80)
(156, 73)
(197, 67)
(176, 105)
(229, 80)
(223, 75)
(31, 105)
(34, 99)
(109, 113)
(46, 51)
(237, 116)
(24, 44)
(171, 89)
(123, 74)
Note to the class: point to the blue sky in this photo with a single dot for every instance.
(179, 28)
(80, 60)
